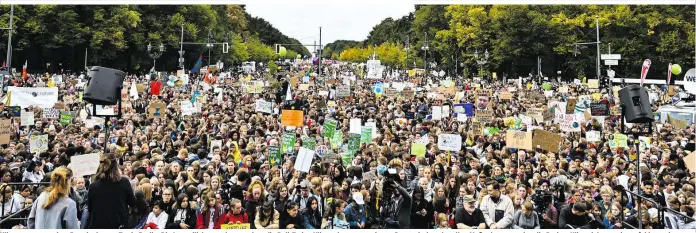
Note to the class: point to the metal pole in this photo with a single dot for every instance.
(610, 92)
(425, 55)
(9, 39)
(210, 33)
(598, 52)
(320, 70)
(85, 58)
(181, 48)
(407, 48)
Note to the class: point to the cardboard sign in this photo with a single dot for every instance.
(546, 140)
(156, 110)
(140, 88)
(506, 96)
(599, 109)
(292, 118)
(390, 92)
(408, 93)
(51, 113)
(60, 106)
(5, 131)
(519, 139)
(449, 142)
(570, 107)
(343, 91)
(679, 124)
(38, 143)
(303, 87)
(485, 116)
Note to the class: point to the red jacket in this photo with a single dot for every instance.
(233, 219)
(203, 219)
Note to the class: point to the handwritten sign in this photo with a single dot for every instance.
(506, 96)
(84, 165)
(343, 91)
(449, 142)
(65, 117)
(418, 149)
(593, 136)
(38, 143)
(156, 110)
(5, 131)
(546, 140)
(599, 109)
(484, 115)
(51, 113)
(408, 93)
(519, 139)
(292, 118)
(27, 118)
(264, 106)
(618, 140)
(242, 226)
(254, 87)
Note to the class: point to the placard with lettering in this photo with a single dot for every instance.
(485, 116)
(546, 140)
(599, 109)
(519, 139)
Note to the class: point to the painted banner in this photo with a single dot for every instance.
(288, 143)
(45, 97)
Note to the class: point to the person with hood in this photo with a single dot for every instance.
(182, 216)
(355, 212)
(292, 219)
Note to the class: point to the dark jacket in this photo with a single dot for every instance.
(108, 204)
(298, 222)
(567, 218)
(190, 219)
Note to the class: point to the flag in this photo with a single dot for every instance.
(669, 73)
(198, 65)
(24, 71)
(134, 91)
(644, 70)
(3, 63)
(288, 94)
(206, 79)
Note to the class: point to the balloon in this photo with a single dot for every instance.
(299, 56)
(283, 52)
(546, 86)
(676, 69)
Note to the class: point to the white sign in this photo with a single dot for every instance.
(610, 56)
(38, 143)
(593, 136)
(611, 62)
(570, 122)
(689, 81)
(84, 165)
(264, 106)
(186, 108)
(449, 142)
(215, 143)
(304, 159)
(437, 113)
(51, 113)
(355, 125)
(27, 118)
(374, 128)
(45, 97)
(446, 111)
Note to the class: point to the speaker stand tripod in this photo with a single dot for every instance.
(637, 160)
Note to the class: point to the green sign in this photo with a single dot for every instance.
(546, 86)
(329, 127)
(274, 155)
(65, 118)
(347, 157)
(337, 140)
(366, 134)
(288, 146)
(354, 142)
(418, 149)
(309, 143)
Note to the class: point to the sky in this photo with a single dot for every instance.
(338, 21)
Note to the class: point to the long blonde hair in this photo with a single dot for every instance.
(60, 186)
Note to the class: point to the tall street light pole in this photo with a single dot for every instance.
(482, 61)
(425, 55)
(154, 54)
(181, 49)
(9, 38)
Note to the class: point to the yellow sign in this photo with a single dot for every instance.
(236, 226)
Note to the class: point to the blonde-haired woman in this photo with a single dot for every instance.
(54, 209)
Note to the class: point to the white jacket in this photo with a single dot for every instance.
(488, 207)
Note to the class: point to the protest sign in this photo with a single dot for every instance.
(437, 113)
(366, 134)
(449, 142)
(38, 143)
(519, 139)
(288, 143)
(690, 161)
(593, 83)
(506, 96)
(355, 124)
(65, 117)
(483, 102)
(485, 116)
(593, 136)
(186, 108)
(274, 155)
(677, 123)
(50, 113)
(569, 122)
(156, 110)
(570, 106)
(390, 92)
(292, 118)
(337, 140)
(328, 128)
(264, 106)
(240, 226)
(84, 165)
(644, 143)
(27, 118)
(343, 91)
(354, 142)
(599, 109)
(618, 140)
(303, 87)
(45, 97)
(140, 88)
(309, 143)
(546, 140)
(408, 93)
(418, 149)
(5, 131)
(254, 87)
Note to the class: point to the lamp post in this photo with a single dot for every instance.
(482, 61)
(425, 48)
(154, 54)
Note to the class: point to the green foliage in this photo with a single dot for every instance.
(335, 48)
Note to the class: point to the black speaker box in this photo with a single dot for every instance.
(104, 86)
(636, 104)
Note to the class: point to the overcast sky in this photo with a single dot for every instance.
(338, 21)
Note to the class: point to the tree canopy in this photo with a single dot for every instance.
(117, 36)
(515, 35)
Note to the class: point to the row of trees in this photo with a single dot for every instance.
(117, 36)
(515, 35)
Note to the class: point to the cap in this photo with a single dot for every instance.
(469, 199)
(652, 212)
(15, 165)
(358, 197)
(653, 157)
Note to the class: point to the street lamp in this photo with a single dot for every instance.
(154, 54)
(482, 61)
(425, 55)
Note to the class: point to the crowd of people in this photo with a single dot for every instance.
(165, 173)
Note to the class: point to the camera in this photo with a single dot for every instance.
(391, 178)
